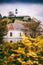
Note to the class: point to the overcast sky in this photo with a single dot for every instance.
(33, 8)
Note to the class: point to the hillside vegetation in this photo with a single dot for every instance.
(28, 51)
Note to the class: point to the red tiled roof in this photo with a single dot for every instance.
(10, 27)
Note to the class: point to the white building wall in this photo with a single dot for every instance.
(15, 36)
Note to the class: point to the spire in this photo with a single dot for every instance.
(16, 11)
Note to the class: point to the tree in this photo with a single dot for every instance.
(33, 28)
(0, 16)
(3, 31)
(4, 17)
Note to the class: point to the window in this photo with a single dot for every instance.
(20, 34)
(10, 33)
(10, 40)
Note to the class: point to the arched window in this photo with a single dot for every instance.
(11, 41)
(10, 33)
(20, 33)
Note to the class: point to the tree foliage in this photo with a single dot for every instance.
(0, 16)
(33, 28)
(29, 51)
(3, 30)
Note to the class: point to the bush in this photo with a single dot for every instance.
(25, 52)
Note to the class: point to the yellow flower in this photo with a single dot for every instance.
(12, 55)
(10, 58)
(29, 62)
(20, 50)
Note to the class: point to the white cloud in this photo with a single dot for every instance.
(33, 10)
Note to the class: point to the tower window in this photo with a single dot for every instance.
(10, 33)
